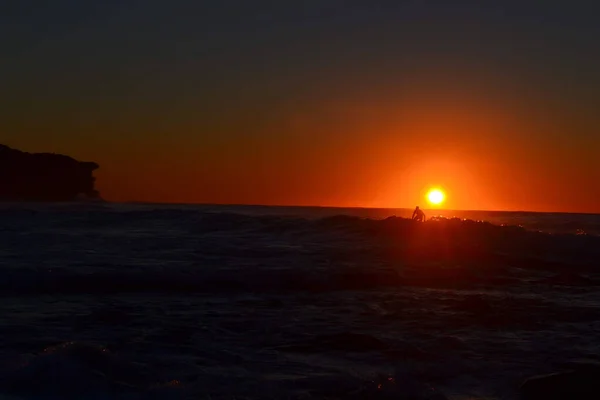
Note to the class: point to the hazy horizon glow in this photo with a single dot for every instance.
(320, 103)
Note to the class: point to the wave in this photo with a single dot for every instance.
(547, 222)
(172, 251)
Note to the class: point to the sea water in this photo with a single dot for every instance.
(142, 301)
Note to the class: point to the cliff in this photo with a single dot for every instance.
(44, 177)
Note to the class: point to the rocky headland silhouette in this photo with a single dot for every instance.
(45, 177)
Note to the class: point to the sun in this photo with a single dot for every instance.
(435, 197)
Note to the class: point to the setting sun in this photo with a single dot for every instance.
(435, 197)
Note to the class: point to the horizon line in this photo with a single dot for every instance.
(343, 207)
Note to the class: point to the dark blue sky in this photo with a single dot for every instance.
(187, 45)
(87, 75)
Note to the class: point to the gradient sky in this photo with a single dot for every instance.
(320, 102)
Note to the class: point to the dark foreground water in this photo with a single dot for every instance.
(201, 302)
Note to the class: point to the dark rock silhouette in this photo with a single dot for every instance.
(75, 370)
(44, 177)
(580, 382)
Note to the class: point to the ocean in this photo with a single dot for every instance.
(146, 301)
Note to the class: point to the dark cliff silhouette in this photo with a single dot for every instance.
(44, 177)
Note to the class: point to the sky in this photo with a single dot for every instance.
(316, 102)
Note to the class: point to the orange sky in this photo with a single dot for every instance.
(369, 151)
(366, 151)
(312, 103)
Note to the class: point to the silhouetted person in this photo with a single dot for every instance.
(418, 215)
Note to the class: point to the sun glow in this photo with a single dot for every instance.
(435, 197)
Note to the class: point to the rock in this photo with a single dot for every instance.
(78, 370)
(44, 177)
(582, 382)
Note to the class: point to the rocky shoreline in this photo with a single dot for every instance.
(45, 177)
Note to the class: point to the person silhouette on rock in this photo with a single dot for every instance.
(418, 215)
